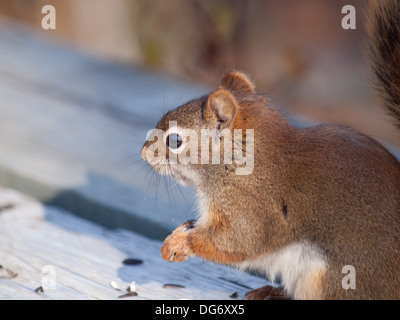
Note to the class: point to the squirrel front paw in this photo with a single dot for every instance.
(176, 247)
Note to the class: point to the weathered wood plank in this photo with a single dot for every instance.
(71, 129)
(86, 258)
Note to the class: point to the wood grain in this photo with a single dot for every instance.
(86, 258)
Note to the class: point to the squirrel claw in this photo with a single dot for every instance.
(169, 253)
(175, 247)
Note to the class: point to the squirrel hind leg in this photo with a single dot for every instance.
(267, 293)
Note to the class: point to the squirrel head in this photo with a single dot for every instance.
(198, 138)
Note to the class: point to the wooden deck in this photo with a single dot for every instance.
(71, 258)
(71, 130)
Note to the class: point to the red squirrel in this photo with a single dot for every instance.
(314, 201)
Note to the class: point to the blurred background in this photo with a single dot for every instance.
(110, 69)
(296, 51)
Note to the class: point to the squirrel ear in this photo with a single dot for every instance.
(237, 82)
(220, 108)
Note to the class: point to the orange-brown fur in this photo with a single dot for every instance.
(328, 196)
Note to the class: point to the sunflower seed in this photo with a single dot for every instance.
(132, 262)
(7, 273)
(132, 287)
(172, 286)
(39, 290)
(129, 294)
(115, 286)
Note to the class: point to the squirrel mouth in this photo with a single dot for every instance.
(178, 172)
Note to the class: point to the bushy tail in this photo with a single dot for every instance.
(383, 27)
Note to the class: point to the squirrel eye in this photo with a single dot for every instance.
(174, 141)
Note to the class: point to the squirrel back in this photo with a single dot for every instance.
(317, 201)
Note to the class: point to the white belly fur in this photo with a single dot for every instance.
(300, 266)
